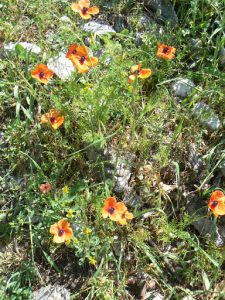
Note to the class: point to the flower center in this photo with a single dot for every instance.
(61, 232)
(84, 10)
(82, 59)
(74, 51)
(214, 204)
(165, 50)
(137, 72)
(111, 210)
(52, 119)
(41, 74)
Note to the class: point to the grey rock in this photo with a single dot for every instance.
(194, 158)
(132, 199)
(61, 66)
(98, 28)
(222, 168)
(222, 57)
(196, 43)
(182, 88)
(164, 10)
(50, 292)
(206, 116)
(120, 23)
(154, 296)
(28, 46)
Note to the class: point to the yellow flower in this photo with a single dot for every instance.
(65, 190)
(87, 231)
(92, 260)
(70, 213)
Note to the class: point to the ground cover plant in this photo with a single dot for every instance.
(112, 159)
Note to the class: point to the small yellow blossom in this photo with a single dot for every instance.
(92, 260)
(70, 213)
(65, 190)
(87, 231)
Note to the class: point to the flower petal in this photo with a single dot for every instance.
(59, 121)
(131, 78)
(145, 73)
(54, 229)
(45, 119)
(59, 239)
(85, 16)
(135, 68)
(84, 3)
(93, 10)
(76, 7)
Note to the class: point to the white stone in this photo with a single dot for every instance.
(50, 292)
(98, 28)
(206, 116)
(182, 88)
(65, 19)
(61, 66)
(28, 46)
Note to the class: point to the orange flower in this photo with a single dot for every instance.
(217, 203)
(84, 9)
(53, 117)
(124, 217)
(62, 231)
(166, 52)
(82, 61)
(113, 209)
(72, 51)
(45, 187)
(138, 72)
(42, 73)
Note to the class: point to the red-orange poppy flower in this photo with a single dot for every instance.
(217, 203)
(42, 73)
(84, 9)
(126, 215)
(72, 51)
(54, 117)
(82, 61)
(45, 188)
(166, 52)
(62, 231)
(113, 209)
(138, 72)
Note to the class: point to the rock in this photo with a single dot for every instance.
(28, 46)
(222, 57)
(196, 43)
(120, 23)
(154, 296)
(206, 116)
(50, 292)
(163, 9)
(132, 199)
(182, 88)
(122, 176)
(222, 168)
(61, 66)
(194, 158)
(65, 19)
(98, 28)
(198, 211)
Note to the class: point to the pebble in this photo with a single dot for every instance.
(28, 46)
(182, 88)
(206, 116)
